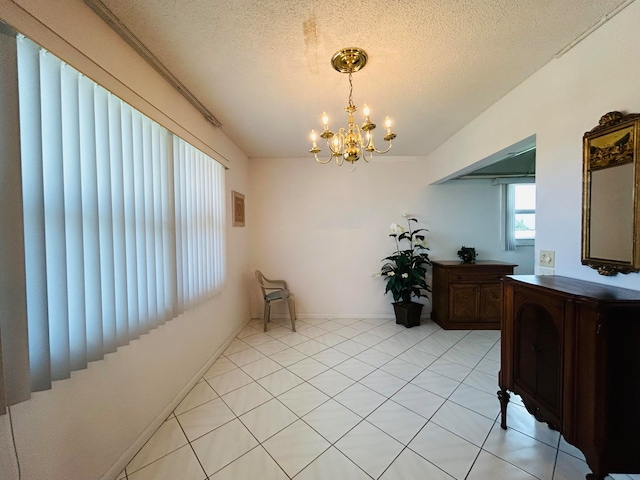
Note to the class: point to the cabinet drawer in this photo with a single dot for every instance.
(476, 277)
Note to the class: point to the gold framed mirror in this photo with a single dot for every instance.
(610, 205)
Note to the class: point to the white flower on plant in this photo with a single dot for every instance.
(420, 243)
(405, 275)
(396, 229)
(391, 274)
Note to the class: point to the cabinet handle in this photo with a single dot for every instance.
(599, 329)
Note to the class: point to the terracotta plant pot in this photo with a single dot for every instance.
(408, 313)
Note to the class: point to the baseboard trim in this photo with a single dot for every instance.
(332, 316)
(144, 437)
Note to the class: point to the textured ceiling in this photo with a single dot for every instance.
(263, 67)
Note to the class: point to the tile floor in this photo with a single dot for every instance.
(356, 399)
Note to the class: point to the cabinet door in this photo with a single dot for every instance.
(490, 302)
(463, 303)
(538, 365)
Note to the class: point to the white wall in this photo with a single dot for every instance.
(325, 229)
(558, 104)
(88, 427)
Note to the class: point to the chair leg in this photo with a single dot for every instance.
(292, 312)
(266, 315)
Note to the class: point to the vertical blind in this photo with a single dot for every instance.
(123, 221)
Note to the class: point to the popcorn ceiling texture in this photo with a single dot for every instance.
(263, 67)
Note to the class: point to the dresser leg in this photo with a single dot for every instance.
(504, 397)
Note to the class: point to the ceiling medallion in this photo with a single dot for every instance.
(348, 143)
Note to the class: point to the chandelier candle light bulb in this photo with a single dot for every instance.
(348, 143)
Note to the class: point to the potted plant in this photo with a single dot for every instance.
(405, 270)
(467, 254)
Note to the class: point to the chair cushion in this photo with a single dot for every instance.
(279, 295)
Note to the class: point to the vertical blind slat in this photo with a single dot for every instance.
(33, 206)
(105, 220)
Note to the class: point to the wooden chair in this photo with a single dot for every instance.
(273, 291)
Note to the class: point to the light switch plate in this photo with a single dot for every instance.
(547, 258)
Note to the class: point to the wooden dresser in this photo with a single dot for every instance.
(571, 350)
(467, 295)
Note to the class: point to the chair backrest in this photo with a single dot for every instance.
(261, 281)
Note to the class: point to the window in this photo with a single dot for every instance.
(123, 221)
(519, 214)
(524, 211)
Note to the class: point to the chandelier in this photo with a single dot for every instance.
(353, 142)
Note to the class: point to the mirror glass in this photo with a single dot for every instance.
(611, 233)
(611, 196)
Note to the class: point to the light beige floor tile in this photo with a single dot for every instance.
(360, 399)
(245, 356)
(524, 452)
(220, 366)
(168, 438)
(476, 400)
(288, 357)
(354, 368)
(332, 464)
(449, 452)
(274, 346)
(332, 420)
(401, 369)
(463, 422)
(519, 419)
(303, 398)
(245, 398)
(261, 368)
(205, 418)
(374, 358)
(369, 448)
(482, 381)
(229, 381)
(310, 347)
(411, 466)
(255, 464)
(397, 421)
(199, 394)
(280, 381)
(382, 382)
(222, 446)
(449, 369)
(236, 346)
(307, 368)
(331, 382)
(331, 357)
(418, 357)
(436, 383)
(182, 464)
(490, 466)
(351, 348)
(295, 447)
(418, 400)
(268, 419)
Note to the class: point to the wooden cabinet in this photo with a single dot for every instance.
(571, 350)
(468, 295)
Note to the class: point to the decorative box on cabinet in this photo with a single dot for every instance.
(571, 350)
(467, 295)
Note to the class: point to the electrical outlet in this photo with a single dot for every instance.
(547, 258)
(546, 271)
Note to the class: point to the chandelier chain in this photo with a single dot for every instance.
(350, 89)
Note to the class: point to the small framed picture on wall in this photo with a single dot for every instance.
(237, 202)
